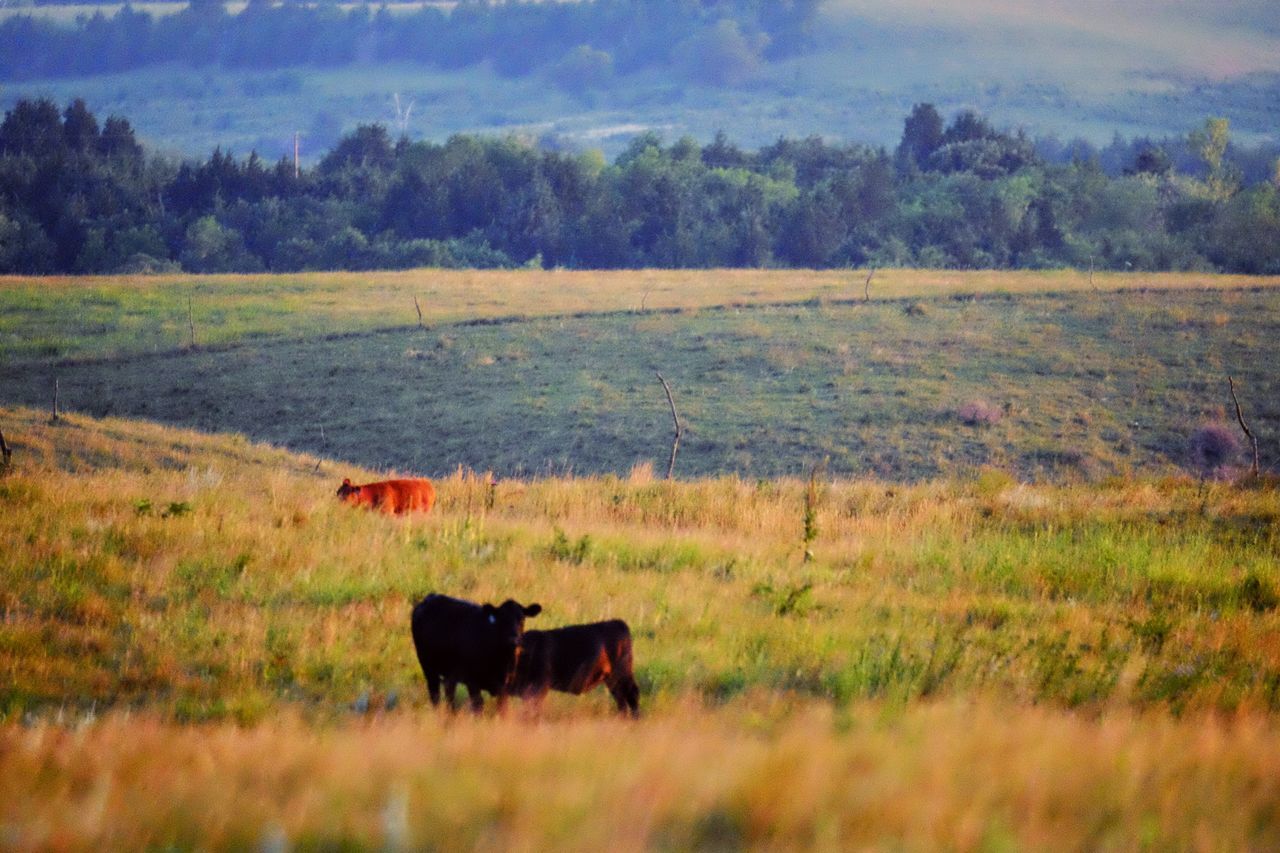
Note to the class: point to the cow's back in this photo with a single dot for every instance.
(574, 658)
(416, 495)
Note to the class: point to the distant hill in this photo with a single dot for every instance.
(592, 75)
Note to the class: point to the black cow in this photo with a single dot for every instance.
(459, 642)
(577, 658)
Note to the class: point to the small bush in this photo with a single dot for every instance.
(1152, 632)
(979, 413)
(792, 599)
(1213, 447)
(568, 551)
(1258, 594)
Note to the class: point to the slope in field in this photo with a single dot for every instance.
(1041, 386)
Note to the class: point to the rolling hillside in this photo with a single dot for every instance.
(1063, 69)
(936, 374)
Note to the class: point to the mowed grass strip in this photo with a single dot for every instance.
(57, 318)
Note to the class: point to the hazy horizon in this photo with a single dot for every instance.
(1088, 69)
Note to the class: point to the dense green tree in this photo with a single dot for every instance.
(79, 127)
(32, 127)
(1246, 235)
(1151, 160)
(210, 246)
(76, 198)
(1209, 143)
(921, 136)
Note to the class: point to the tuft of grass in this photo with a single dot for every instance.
(979, 413)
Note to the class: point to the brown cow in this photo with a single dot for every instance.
(391, 496)
(577, 658)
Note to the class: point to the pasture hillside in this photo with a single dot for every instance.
(74, 318)
(938, 374)
(959, 663)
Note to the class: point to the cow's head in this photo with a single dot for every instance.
(348, 492)
(507, 620)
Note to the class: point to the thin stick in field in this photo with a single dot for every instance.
(811, 511)
(324, 446)
(418, 308)
(1240, 417)
(191, 321)
(5, 453)
(866, 287)
(54, 419)
(675, 442)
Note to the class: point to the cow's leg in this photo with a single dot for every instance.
(534, 700)
(433, 687)
(633, 696)
(477, 699)
(626, 693)
(451, 693)
(618, 690)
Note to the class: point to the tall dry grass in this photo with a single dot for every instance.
(200, 647)
(204, 577)
(766, 773)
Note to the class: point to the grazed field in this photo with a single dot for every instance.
(1066, 385)
(962, 663)
(45, 319)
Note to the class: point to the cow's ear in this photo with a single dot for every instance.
(533, 610)
(346, 481)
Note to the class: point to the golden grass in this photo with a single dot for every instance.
(110, 315)
(770, 772)
(204, 576)
(187, 622)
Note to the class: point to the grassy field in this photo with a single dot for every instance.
(970, 664)
(939, 374)
(1033, 627)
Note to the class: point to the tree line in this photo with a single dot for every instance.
(77, 196)
(578, 44)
